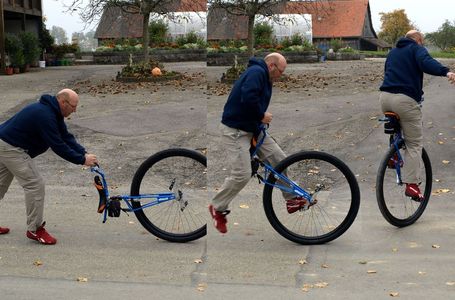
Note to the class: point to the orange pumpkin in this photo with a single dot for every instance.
(156, 71)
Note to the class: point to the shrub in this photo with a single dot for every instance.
(190, 38)
(142, 69)
(31, 48)
(158, 31)
(263, 34)
(297, 39)
(346, 50)
(60, 50)
(15, 50)
(336, 44)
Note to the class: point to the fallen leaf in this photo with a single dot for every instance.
(201, 287)
(440, 191)
(413, 245)
(302, 262)
(321, 285)
(244, 206)
(394, 294)
(422, 273)
(446, 162)
(198, 261)
(440, 142)
(82, 279)
(436, 246)
(371, 271)
(38, 263)
(325, 266)
(450, 283)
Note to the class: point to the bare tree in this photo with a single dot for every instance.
(269, 8)
(94, 9)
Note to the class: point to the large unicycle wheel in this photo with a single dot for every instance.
(331, 183)
(183, 172)
(398, 209)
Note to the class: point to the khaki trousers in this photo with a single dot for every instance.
(411, 123)
(15, 162)
(236, 146)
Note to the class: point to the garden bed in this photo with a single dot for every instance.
(344, 56)
(163, 55)
(127, 79)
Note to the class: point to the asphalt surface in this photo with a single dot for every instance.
(120, 259)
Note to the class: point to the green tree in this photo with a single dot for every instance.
(395, 24)
(444, 38)
(46, 40)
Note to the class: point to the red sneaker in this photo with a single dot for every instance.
(42, 236)
(297, 203)
(413, 191)
(4, 230)
(219, 218)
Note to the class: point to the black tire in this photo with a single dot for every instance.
(166, 220)
(396, 208)
(337, 206)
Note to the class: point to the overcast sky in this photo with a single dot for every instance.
(428, 16)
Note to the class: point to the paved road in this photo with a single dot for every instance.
(120, 260)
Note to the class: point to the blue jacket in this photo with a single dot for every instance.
(249, 98)
(404, 68)
(39, 126)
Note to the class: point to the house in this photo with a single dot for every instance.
(348, 20)
(17, 16)
(116, 23)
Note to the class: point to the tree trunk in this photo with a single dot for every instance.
(145, 36)
(251, 35)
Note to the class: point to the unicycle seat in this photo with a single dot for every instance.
(392, 123)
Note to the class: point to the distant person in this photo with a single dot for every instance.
(28, 134)
(245, 110)
(402, 93)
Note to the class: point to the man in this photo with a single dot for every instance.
(402, 93)
(28, 134)
(244, 111)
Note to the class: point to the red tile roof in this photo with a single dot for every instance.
(334, 19)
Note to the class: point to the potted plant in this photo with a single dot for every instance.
(14, 48)
(9, 70)
(31, 50)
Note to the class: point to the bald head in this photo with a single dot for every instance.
(275, 57)
(276, 64)
(67, 94)
(68, 101)
(415, 35)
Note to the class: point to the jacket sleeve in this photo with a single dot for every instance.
(251, 91)
(55, 140)
(70, 140)
(428, 64)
